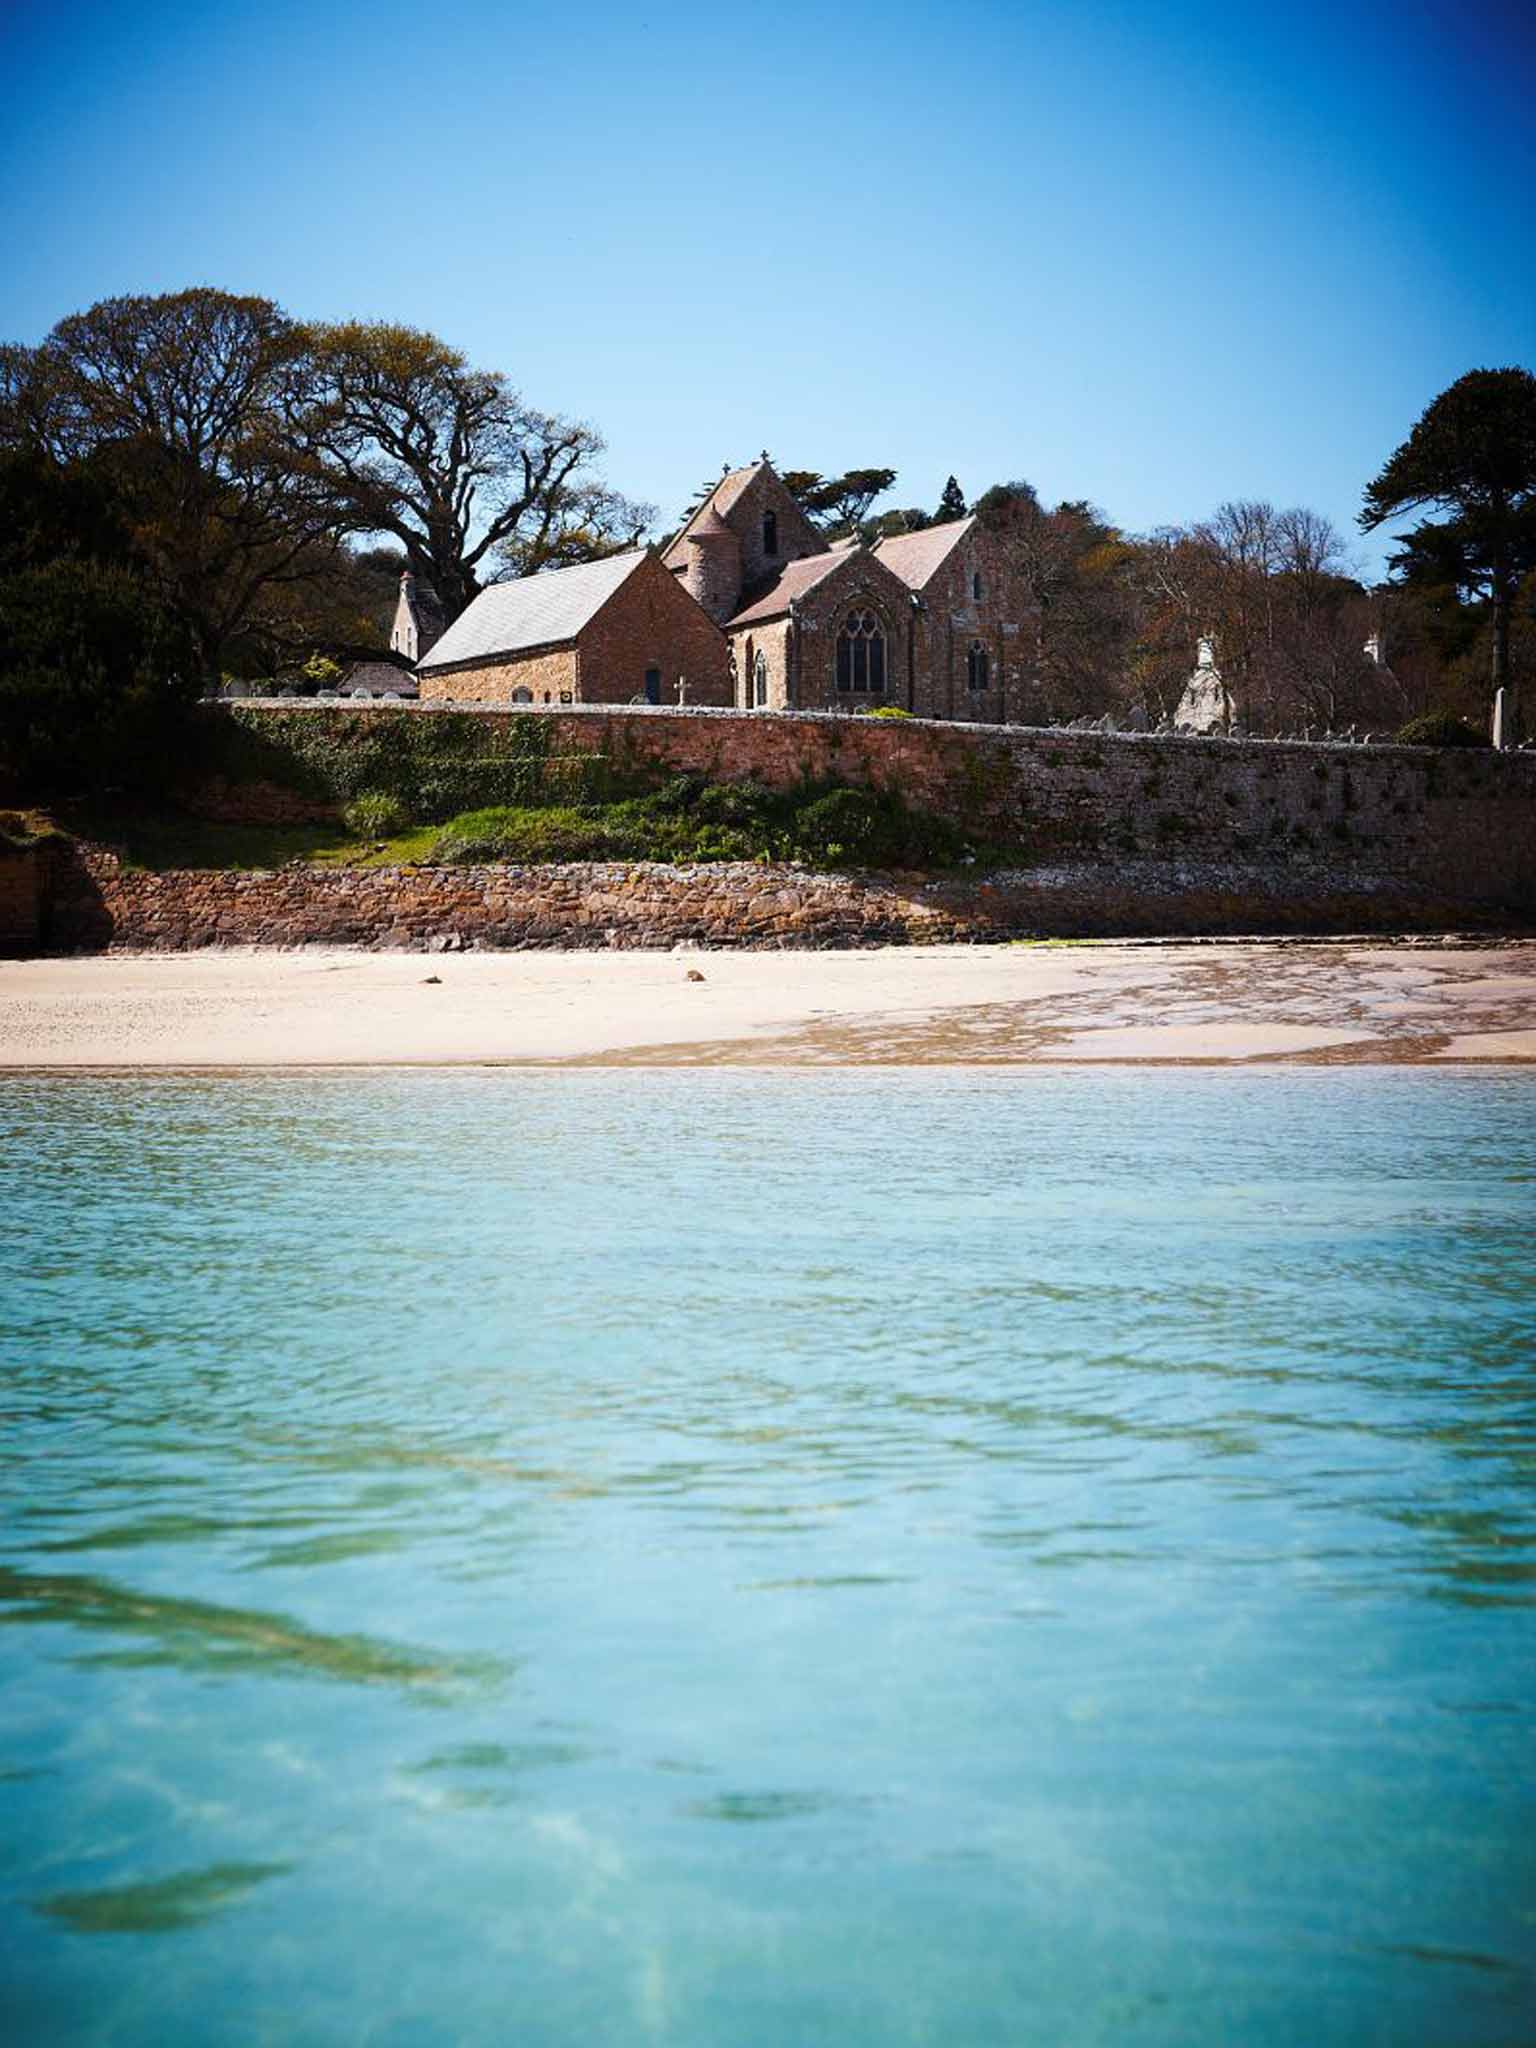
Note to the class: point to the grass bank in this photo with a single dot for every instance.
(685, 821)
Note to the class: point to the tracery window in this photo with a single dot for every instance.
(861, 654)
(770, 533)
(976, 666)
(760, 679)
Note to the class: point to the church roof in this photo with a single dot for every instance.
(710, 526)
(719, 501)
(535, 611)
(915, 557)
(795, 580)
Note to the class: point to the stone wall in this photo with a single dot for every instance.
(1458, 823)
(650, 622)
(99, 905)
(547, 674)
(1002, 619)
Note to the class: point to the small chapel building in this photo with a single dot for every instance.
(616, 631)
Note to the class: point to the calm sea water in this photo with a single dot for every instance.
(763, 1559)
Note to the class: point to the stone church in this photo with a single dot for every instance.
(930, 622)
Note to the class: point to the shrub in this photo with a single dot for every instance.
(889, 711)
(506, 832)
(866, 828)
(1440, 729)
(375, 815)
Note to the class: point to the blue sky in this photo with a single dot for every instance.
(1150, 256)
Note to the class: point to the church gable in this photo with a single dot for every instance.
(738, 541)
(770, 526)
(833, 633)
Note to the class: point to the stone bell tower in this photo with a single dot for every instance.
(713, 572)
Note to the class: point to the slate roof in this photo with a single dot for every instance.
(794, 581)
(915, 557)
(535, 611)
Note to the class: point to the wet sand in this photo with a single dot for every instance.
(1228, 1003)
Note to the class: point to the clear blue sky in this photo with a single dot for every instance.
(1150, 256)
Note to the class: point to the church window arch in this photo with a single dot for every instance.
(760, 680)
(522, 695)
(976, 666)
(770, 533)
(861, 654)
(978, 588)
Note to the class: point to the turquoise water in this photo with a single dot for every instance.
(765, 1559)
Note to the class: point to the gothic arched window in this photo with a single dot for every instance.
(861, 653)
(770, 533)
(760, 679)
(977, 590)
(976, 666)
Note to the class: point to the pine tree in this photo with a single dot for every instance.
(951, 505)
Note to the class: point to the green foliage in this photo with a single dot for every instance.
(951, 504)
(321, 671)
(838, 504)
(1440, 729)
(1473, 452)
(889, 711)
(434, 765)
(375, 815)
(96, 681)
(689, 819)
(1472, 455)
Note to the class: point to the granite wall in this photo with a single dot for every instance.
(98, 904)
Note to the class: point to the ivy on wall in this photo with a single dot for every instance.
(432, 767)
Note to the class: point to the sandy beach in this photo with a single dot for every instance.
(983, 1005)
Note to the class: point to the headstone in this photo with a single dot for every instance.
(1500, 736)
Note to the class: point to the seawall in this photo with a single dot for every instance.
(97, 904)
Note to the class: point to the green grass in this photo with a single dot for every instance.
(686, 820)
(689, 820)
(162, 840)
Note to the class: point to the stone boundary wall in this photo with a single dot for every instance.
(99, 905)
(1460, 822)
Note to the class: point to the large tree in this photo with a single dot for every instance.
(190, 401)
(1471, 456)
(450, 462)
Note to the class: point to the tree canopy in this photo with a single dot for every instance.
(1472, 456)
(245, 452)
(839, 505)
(951, 503)
(408, 439)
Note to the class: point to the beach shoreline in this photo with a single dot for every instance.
(1288, 1002)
